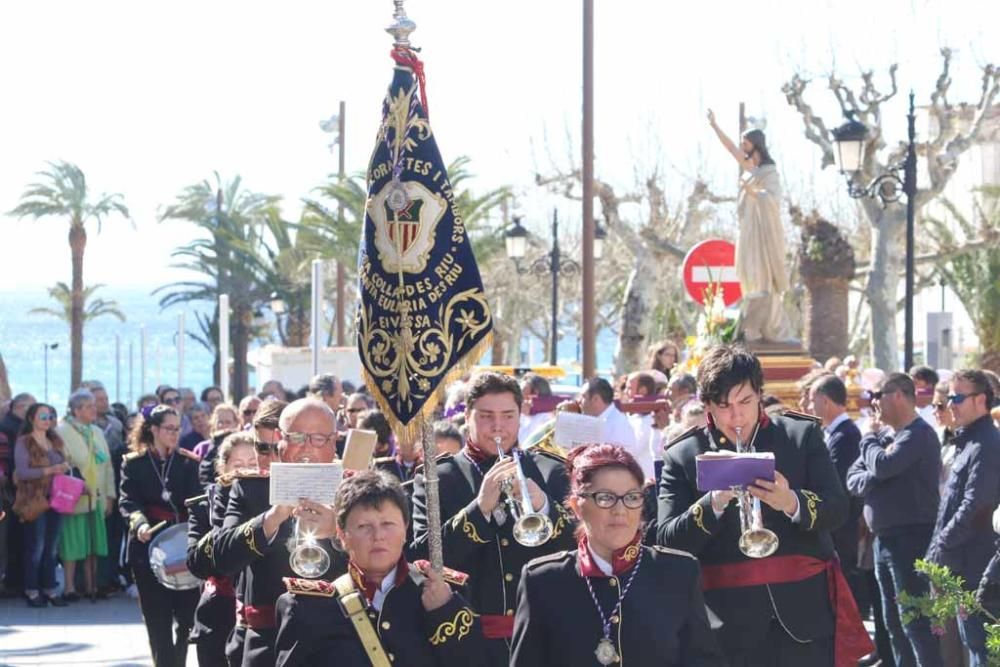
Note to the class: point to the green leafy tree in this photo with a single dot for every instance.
(62, 192)
(232, 219)
(974, 273)
(92, 308)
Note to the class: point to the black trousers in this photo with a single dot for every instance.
(778, 649)
(161, 607)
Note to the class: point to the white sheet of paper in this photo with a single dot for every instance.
(573, 429)
(317, 482)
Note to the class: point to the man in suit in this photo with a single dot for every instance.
(775, 610)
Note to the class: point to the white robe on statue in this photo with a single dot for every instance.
(760, 256)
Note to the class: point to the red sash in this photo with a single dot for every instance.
(496, 626)
(259, 618)
(851, 640)
(157, 513)
(220, 586)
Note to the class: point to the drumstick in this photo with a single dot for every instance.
(157, 527)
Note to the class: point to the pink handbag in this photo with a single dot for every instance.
(66, 491)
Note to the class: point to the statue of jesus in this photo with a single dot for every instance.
(760, 248)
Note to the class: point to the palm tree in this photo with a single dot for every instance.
(974, 275)
(63, 296)
(233, 219)
(334, 217)
(63, 192)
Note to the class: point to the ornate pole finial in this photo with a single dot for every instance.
(401, 27)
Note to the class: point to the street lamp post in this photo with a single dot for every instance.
(46, 347)
(553, 263)
(887, 187)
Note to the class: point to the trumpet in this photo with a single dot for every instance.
(756, 541)
(306, 557)
(531, 528)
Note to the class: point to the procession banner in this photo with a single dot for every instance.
(423, 318)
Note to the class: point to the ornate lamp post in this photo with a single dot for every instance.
(516, 239)
(887, 187)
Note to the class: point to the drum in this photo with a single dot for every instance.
(168, 559)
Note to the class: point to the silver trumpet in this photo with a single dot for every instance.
(306, 557)
(531, 528)
(756, 541)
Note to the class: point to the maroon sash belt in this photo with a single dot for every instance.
(220, 586)
(497, 626)
(851, 640)
(258, 618)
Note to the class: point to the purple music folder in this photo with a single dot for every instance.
(720, 471)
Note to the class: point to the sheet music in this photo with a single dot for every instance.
(317, 482)
(573, 429)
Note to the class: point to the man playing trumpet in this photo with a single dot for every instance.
(789, 608)
(485, 522)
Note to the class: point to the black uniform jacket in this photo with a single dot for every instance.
(241, 547)
(140, 497)
(216, 611)
(686, 521)
(315, 631)
(486, 551)
(662, 620)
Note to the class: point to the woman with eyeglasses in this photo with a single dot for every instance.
(39, 455)
(613, 600)
(157, 479)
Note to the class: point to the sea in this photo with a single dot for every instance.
(113, 354)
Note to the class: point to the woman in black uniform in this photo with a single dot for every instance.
(157, 479)
(612, 601)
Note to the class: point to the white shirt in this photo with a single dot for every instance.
(828, 430)
(602, 564)
(618, 431)
(928, 415)
(387, 584)
(645, 434)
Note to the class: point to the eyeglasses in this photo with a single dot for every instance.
(633, 500)
(249, 413)
(938, 407)
(958, 399)
(312, 439)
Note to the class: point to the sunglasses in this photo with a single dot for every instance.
(958, 399)
(249, 413)
(172, 401)
(46, 417)
(938, 407)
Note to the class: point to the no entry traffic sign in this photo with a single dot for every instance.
(712, 261)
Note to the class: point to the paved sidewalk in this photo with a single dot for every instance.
(108, 633)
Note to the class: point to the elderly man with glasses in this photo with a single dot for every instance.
(255, 535)
(897, 475)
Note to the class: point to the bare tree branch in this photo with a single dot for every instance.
(815, 128)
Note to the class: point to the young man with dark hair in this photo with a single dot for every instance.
(477, 527)
(897, 474)
(963, 538)
(776, 610)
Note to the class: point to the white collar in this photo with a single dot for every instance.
(840, 419)
(604, 565)
(388, 582)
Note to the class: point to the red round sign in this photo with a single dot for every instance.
(712, 261)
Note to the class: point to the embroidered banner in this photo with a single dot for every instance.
(423, 316)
